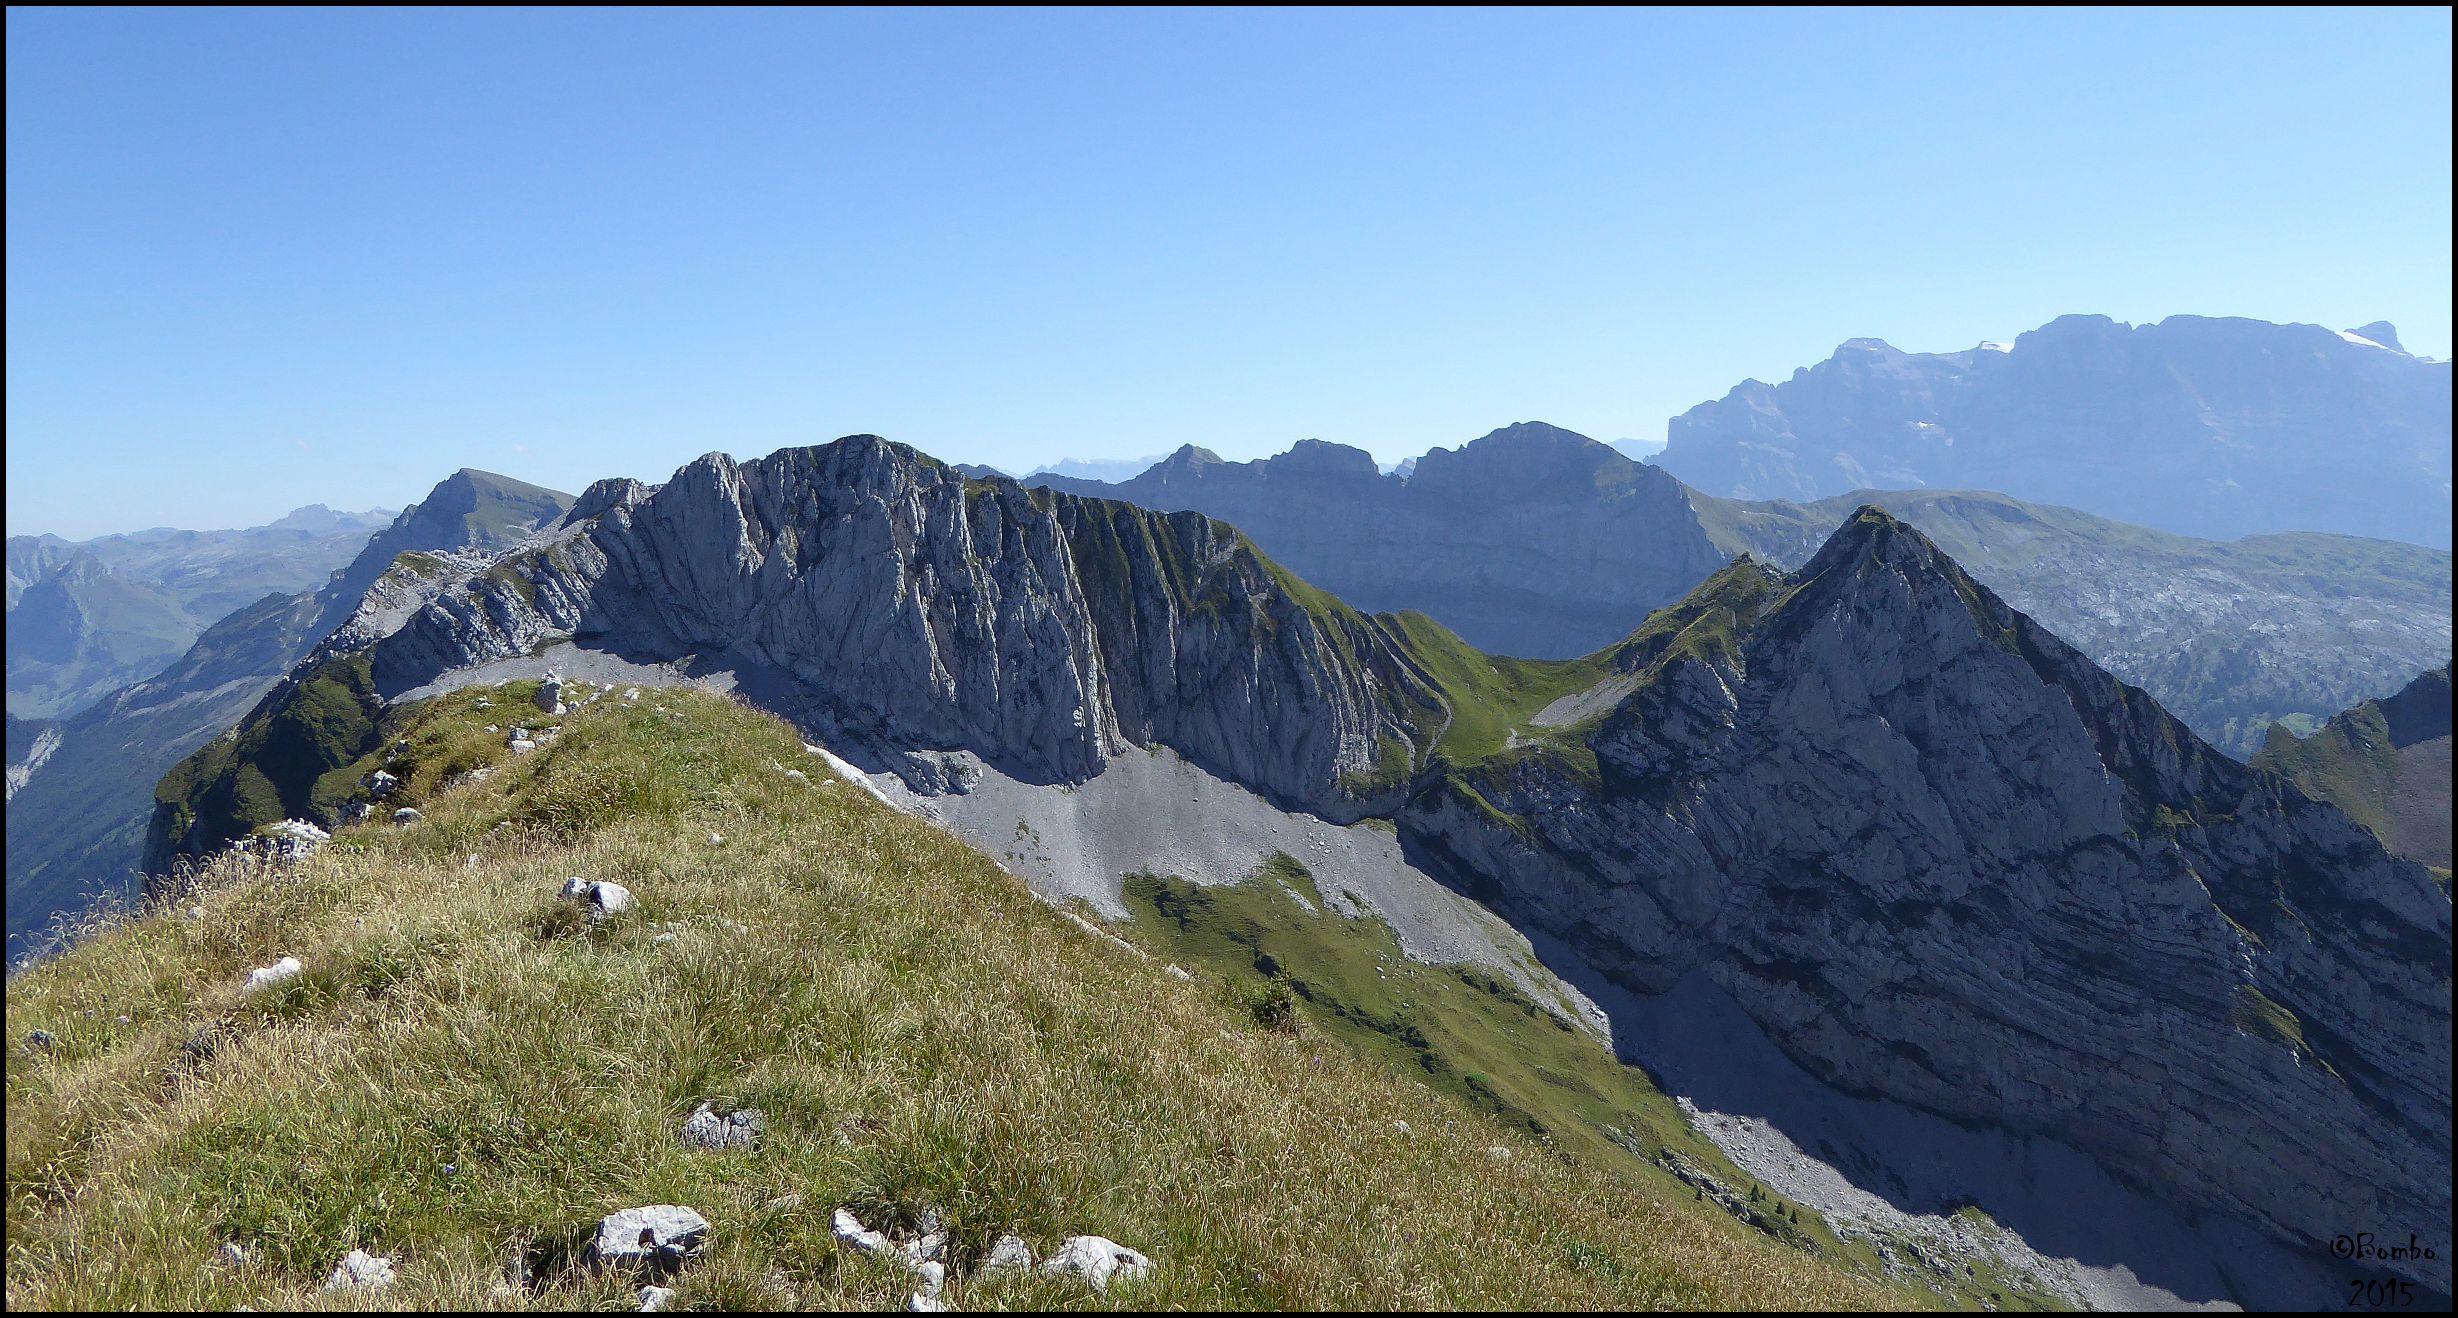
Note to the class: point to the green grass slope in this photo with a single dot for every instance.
(462, 1077)
(1281, 953)
(2385, 762)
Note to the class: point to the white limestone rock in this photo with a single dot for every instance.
(1008, 1254)
(706, 1128)
(292, 840)
(849, 1231)
(604, 898)
(360, 1270)
(658, 1236)
(299, 830)
(267, 976)
(1096, 1261)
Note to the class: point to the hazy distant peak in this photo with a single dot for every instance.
(1322, 457)
(476, 481)
(1528, 459)
(2379, 334)
(1189, 460)
(2079, 321)
(2217, 426)
(1111, 470)
(1532, 434)
(318, 519)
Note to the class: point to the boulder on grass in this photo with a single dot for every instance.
(657, 1237)
(1096, 1261)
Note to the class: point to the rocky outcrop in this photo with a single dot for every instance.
(1942, 858)
(893, 603)
(2209, 427)
(30, 742)
(1530, 541)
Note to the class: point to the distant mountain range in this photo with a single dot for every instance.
(1094, 469)
(1531, 541)
(1543, 543)
(87, 617)
(80, 797)
(2199, 426)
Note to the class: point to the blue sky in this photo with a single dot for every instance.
(260, 259)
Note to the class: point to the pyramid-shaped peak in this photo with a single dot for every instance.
(1188, 462)
(1872, 534)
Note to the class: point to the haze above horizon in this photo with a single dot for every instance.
(263, 259)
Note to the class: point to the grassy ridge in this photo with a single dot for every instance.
(2348, 762)
(459, 1078)
(1463, 1029)
(1471, 1034)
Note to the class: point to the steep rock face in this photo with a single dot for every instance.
(1530, 541)
(2210, 427)
(1942, 858)
(896, 603)
(2231, 636)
